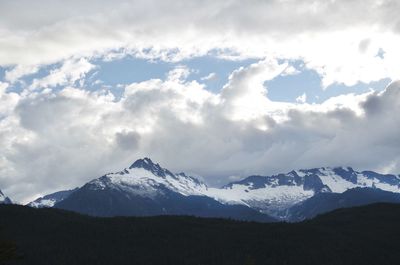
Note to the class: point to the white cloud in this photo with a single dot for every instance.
(71, 71)
(19, 71)
(290, 70)
(61, 138)
(302, 98)
(339, 39)
(244, 96)
(7, 101)
(210, 76)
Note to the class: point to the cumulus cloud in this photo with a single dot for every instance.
(302, 98)
(19, 71)
(340, 39)
(7, 100)
(62, 138)
(71, 71)
(55, 134)
(244, 96)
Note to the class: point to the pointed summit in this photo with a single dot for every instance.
(147, 164)
(142, 163)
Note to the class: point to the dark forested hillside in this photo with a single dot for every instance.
(326, 202)
(363, 235)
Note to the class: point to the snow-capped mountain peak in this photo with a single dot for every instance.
(147, 164)
(146, 189)
(148, 179)
(271, 194)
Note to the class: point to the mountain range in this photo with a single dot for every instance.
(146, 189)
(274, 195)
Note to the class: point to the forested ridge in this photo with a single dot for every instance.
(362, 235)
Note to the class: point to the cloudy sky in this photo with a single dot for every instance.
(218, 89)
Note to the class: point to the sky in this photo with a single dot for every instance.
(218, 89)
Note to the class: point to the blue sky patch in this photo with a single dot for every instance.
(287, 88)
(114, 75)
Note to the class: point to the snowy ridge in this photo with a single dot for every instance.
(42, 203)
(268, 194)
(272, 194)
(148, 179)
(51, 199)
(341, 179)
(266, 199)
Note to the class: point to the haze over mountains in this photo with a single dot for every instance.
(146, 189)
